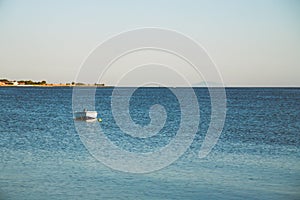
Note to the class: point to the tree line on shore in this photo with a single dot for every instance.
(43, 82)
(24, 82)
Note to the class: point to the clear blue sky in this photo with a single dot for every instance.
(252, 42)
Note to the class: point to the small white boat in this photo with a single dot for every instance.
(85, 115)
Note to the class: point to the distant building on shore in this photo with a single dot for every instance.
(4, 82)
(21, 83)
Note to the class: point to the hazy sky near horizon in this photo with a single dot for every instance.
(253, 43)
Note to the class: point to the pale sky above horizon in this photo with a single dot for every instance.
(253, 43)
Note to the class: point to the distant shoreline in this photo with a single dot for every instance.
(29, 83)
(21, 86)
(182, 87)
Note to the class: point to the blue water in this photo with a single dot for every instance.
(256, 157)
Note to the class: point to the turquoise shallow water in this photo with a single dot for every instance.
(256, 157)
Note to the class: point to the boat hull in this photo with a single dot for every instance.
(85, 115)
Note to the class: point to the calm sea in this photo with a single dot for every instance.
(256, 157)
